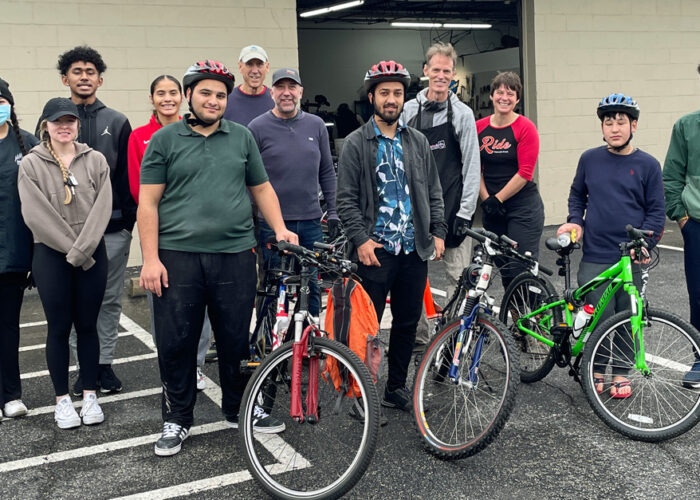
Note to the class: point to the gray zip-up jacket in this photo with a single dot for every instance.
(74, 229)
(357, 199)
(465, 130)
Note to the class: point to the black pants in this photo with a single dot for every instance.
(225, 285)
(404, 276)
(70, 296)
(11, 294)
(523, 222)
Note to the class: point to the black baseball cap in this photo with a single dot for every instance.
(283, 73)
(5, 92)
(58, 107)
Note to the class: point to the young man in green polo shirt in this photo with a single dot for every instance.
(196, 230)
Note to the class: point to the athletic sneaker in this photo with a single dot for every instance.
(14, 408)
(108, 381)
(65, 415)
(211, 354)
(691, 380)
(398, 398)
(201, 382)
(262, 422)
(170, 441)
(91, 412)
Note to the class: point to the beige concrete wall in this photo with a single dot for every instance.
(584, 50)
(139, 40)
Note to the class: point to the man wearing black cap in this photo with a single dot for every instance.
(196, 230)
(295, 151)
(106, 131)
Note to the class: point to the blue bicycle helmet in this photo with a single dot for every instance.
(618, 103)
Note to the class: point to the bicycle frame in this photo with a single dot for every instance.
(618, 275)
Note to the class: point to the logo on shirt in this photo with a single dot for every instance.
(491, 145)
(146, 142)
(438, 145)
(106, 131)
(18, 158)
(311, 139)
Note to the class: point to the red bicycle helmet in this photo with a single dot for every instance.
(386, 71)
(208, 70)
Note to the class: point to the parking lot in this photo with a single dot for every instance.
(552, 447)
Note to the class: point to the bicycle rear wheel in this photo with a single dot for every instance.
(525, 294)
(659, 407)
(311, 460)
(460, 419)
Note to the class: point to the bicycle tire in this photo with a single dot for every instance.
(659, 407)
(485, 405)
(525, 294)
(344, 446)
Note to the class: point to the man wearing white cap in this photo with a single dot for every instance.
(252, 98)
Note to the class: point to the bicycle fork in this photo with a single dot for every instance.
(461, 347)
(300, 350)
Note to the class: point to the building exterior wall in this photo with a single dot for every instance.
(584, 50)
(138, 40)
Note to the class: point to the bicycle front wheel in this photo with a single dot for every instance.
(527, 293)
(458, 418)
(659, 407)
(311, 460)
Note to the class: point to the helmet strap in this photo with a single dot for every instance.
(619, 149)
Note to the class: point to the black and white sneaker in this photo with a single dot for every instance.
(262, 422)
(108, 380)
(399, 398)
(171, 440)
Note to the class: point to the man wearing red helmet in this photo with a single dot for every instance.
(196, 229)
(389, 200)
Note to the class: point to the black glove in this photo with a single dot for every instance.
(333, 229)
(459, 225)
(493, 207)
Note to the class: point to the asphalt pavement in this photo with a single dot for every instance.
(553, 445)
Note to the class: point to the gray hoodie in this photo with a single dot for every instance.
(465, 129)
(74, 229)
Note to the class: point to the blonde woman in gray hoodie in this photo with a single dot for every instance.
(66, 198)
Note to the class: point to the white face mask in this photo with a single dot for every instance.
(4, 113)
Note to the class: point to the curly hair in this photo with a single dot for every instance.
(81, 53)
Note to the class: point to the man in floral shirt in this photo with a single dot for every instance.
(389, 200)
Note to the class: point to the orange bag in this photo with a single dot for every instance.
(352, 321)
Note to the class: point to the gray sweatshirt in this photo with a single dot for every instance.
(465, 129)
(74, 229)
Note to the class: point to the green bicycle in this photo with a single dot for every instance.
(651, 347)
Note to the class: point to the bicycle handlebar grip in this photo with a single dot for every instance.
(510, 242)
(546, 270)
(295, 249)
(633, 233)
(323, 246)
(474, 235)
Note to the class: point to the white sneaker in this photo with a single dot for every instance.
(201, 382)
(15, 408)
(91, 412)
(65, 415)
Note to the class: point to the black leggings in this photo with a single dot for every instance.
(11, 293)
(70, 296)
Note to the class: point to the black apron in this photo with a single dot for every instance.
(448, 158)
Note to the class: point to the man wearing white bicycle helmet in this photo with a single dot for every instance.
(390, 203)
(615, 185)
(196, 229)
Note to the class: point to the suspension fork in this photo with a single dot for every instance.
(465, 328)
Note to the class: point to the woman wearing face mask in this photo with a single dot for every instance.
(66, 199)
(166, 98)
(15, 252)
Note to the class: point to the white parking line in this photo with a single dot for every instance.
(35, 323)
(36, 347)
(193, 487)
(72, 368)
(667, 247)
(668, 363)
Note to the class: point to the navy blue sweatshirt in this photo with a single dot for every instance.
(297, 157)
(610, 191)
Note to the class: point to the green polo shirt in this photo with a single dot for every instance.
(205, 207)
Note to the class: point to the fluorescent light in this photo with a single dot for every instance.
(424, 78)
(416, 25)
(466, 26)
(332, 8)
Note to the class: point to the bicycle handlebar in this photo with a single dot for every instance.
(324, 256)
(637, 234)
(505, 245)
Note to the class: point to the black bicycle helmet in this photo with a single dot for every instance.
(386, 71)
(618, 103)
(208, 70)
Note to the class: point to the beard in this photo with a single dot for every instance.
(389, 116)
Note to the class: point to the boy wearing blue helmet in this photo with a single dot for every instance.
(615, 185)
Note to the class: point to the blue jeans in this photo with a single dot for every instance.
(308, 231)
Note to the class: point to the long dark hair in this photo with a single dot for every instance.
(161, 78)
(15, 128)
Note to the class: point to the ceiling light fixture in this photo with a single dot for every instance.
(416, 25)
(332, 8)
(465, 26)
(476, 26)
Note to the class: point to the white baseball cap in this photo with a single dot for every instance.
(252, 52)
